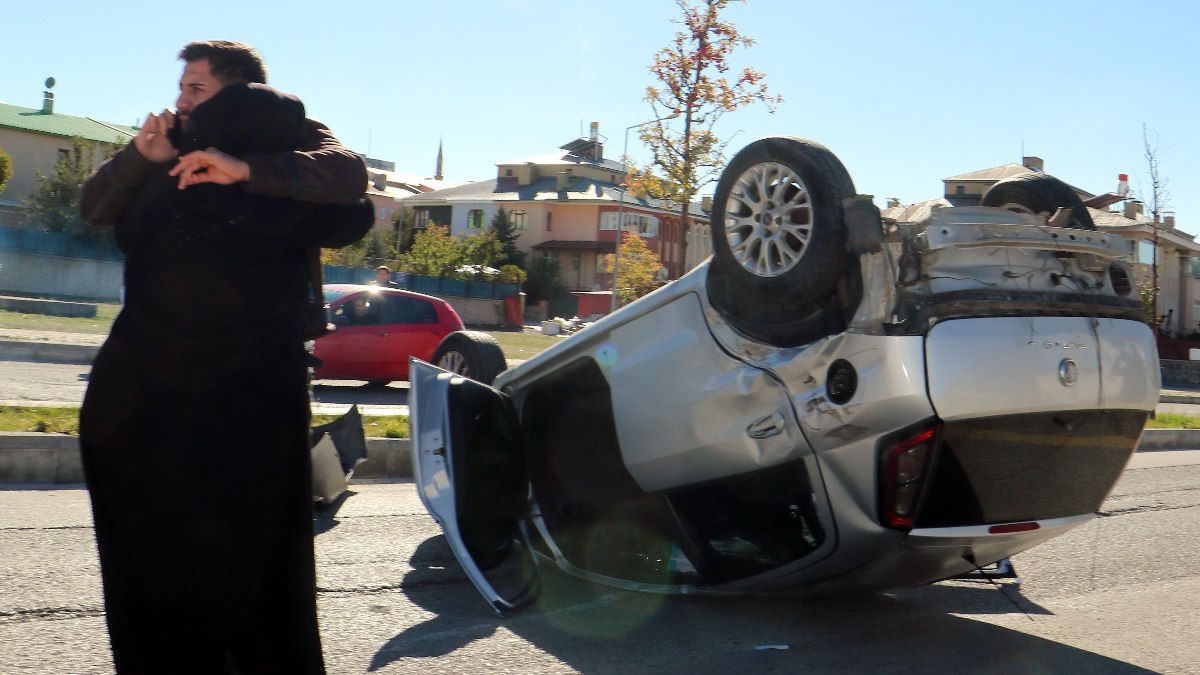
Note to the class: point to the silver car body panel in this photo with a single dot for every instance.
(693, 400)
(689, 411)
(1012, 365)
(432, 461)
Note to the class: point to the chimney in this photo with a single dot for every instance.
(48, 97)
(562, 180)
(706, 204)
(1033, 163)
(1132, 208)
(1169, 220)
(1123, 184)
(595, 132)
(893, 202)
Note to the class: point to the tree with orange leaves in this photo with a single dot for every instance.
(694, 92)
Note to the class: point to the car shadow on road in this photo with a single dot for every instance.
(353, 392)
(594, 628)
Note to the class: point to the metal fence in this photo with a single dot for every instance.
(335, 274)
(57, 243)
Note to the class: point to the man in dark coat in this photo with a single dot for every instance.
(194, 428)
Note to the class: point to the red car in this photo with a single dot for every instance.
(378, 329)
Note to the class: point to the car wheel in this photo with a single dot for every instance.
(779, 239)
(472, 354)
(1039, 193)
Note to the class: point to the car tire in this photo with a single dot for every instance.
(472, 354)
(1039, 193)
(779, 240)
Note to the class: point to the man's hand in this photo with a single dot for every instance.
(151, 139)
(210, 166)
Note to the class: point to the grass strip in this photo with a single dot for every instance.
(45, 420)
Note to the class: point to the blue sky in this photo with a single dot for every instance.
(906, 93)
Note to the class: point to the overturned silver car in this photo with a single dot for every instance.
(831, 401)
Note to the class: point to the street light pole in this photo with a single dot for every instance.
(621, 202)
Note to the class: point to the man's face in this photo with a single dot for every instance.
(383, 276)
(195, 87)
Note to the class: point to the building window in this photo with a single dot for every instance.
(508, 172)
(576, 260)
(475, 219)
(960, 189)
(1145, 252)
(548, 214)
(518, 220)
(647, 226)
(420, 218)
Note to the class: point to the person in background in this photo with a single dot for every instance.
(383, 277)
(194, 427)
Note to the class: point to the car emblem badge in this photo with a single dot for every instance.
(1068, 372)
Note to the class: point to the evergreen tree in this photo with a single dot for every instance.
(502, 226)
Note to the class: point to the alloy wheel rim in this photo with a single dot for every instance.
(769, 219)
(454, 362)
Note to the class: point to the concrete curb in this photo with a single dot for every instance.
(27, 458)
(47, 352)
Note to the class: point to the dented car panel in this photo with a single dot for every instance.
(966, 387)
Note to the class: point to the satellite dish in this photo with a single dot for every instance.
(49, 82)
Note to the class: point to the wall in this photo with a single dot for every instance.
(1185, 374)
(477, 311)
(33, 153)
(35, 274)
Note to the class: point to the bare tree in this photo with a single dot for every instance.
(1159, 197)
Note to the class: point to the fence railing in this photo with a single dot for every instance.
(336, 274)
(57, 243)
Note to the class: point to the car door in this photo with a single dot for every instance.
(412, 330)
(470, 473)
(356, 349)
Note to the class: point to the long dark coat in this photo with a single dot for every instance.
(194, 428)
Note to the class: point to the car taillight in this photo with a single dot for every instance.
(906, 462)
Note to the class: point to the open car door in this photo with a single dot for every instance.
(470, 472)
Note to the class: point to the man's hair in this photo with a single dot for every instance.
(382, 267)
(227, 61)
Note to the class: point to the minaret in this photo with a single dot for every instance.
(437, 175)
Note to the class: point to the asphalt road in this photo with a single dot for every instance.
(1118, 595)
